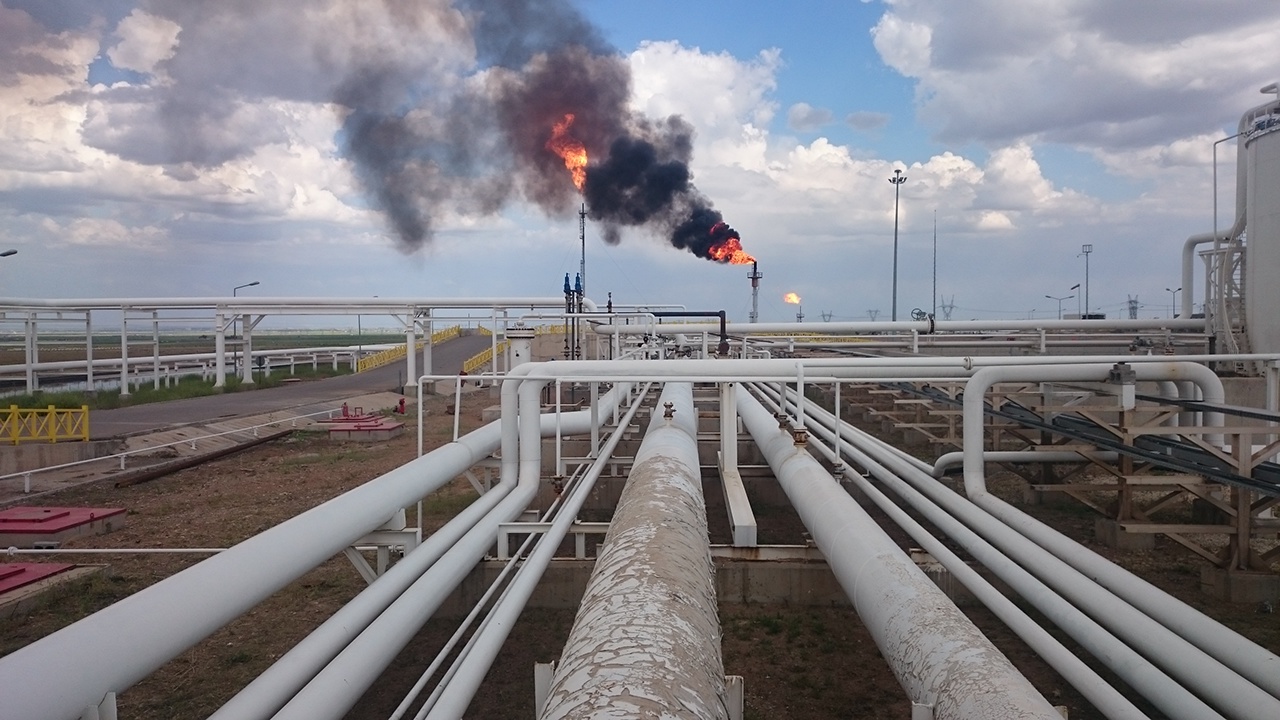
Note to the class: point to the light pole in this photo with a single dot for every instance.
(897, 180)
(235, 318)
(1085, 250)
(8, 253)
(1077, 287)
(1173, 308)
(1059, 299)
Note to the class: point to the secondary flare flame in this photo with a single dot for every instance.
(730, 249)
(573, 152)
(792, 298)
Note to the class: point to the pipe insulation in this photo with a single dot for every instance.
(163, 620)
(646, 640)
(939, 657)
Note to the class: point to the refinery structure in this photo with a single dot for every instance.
(649, 407)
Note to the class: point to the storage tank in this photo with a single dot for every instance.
(1262, 227)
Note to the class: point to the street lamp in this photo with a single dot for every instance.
(235, 318)
(8, 253)
(1085, 250)
(897, 180)
(1173, 308)
(1077, 287)
(1059, 299)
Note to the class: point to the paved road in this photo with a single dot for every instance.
(446, 358)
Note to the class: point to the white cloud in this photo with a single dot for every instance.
(146, 40)
(1093, 73)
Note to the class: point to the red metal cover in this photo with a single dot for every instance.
(15, 575)
(38, 520)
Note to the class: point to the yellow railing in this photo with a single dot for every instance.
(479, 360)
(44, 424)
(448, 333)
(390, 355)
(551, 330)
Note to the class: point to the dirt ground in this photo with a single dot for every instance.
(797, 662)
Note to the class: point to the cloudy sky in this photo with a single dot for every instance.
(171, 148)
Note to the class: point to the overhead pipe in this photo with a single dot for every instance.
(940, 326)
(646, 640)
(1097, 691)
(1237, 227)
(1243, 656)
(946, 461)
(939, 657)
(163, 620)
(723, 349)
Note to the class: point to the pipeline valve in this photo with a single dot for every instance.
(668, 410)
(799, 436)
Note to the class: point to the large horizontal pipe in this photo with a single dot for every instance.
(900, 473)
(273, 304)
(646, 639)
(1074, 670)
(923, 327)
(940, 658)
(454, 696)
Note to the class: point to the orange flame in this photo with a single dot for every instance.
(573, 153)
(730, 251)
(792, 298)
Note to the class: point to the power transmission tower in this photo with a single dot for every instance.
(947, 307)
(1133, 307)
(826, 316)
(873, 314)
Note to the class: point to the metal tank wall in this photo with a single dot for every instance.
(1262, 259)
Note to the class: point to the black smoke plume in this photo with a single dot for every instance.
(420, 152)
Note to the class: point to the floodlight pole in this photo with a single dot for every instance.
(897, 180)
(1085, 250)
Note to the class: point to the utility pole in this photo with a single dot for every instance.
(897, 180)
(935, 264)
(1085, 250)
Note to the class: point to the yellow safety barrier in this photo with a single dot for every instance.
(551, 330)
(44, 424)
(448, 333)
(390, 355)
(479, 360)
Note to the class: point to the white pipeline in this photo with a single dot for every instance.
(936, 653)
(1096, 690)
(646, 640)
(1244, 657)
